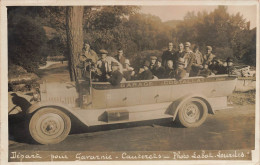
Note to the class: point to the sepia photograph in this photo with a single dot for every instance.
(126, 82)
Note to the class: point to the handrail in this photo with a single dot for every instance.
(188, 78)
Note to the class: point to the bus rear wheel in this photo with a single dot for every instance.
(192, 113)
(49, 126)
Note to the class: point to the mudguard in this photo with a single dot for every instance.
(175, 106)
(66, 109)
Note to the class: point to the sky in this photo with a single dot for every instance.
(178, 12)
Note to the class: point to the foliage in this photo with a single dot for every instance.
(26, 42)
(244, 46)
(113, 27)
(19, 79)
(229, 35)
(139, 32)
(135, 33)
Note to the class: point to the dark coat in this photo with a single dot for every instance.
(168, 55)
(159, 72)
(146, 75)
(169, 73)
(127, 75)
(115, 78)
(152, 68)
(217, 69)
(180, 73)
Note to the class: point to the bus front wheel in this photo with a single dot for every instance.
(49, 126)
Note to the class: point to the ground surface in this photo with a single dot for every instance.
(226, 130)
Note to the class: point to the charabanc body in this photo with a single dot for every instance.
(99, 103)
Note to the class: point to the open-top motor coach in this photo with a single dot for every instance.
(189, 101)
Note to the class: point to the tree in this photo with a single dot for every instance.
(74, 29)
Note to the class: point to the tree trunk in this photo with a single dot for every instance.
(74, 29)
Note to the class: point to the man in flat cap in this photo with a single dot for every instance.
(168, 54)
(159, 69)
(104, 64)
(189, 58)
(115, 77)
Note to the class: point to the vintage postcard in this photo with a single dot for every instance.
(113, 82)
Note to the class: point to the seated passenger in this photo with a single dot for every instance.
(145, 73)
(197, 64)
(217, 67)
(180, 71)
(159, 69)
(230, 67)
(152, 63)
(128, 71)
(138, 75)
(115, 77)
(120, 56)
(209, 57)
(104, 64)
(90, 69)
(169, 71)
(189, 58)
(88, 53)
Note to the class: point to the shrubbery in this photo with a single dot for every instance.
(56, 58)
(19, 79)
(26, 42)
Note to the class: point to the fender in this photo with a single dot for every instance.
(175, 106)
(69, 111)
